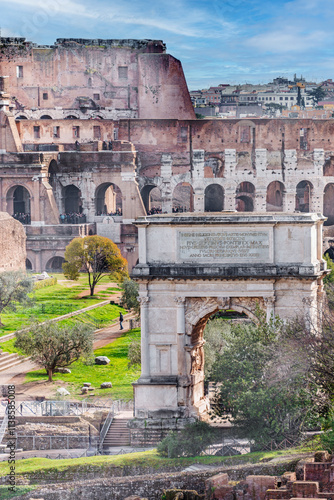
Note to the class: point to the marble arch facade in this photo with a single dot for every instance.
(193, 265)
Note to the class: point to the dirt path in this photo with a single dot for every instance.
(30, 390)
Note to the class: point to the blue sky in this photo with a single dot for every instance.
(230, 41)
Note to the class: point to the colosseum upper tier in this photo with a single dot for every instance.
(95, 133)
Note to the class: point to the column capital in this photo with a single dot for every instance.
(269, 300)
(143, 300)
(180, 300)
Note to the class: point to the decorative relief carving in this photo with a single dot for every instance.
(199, 309)
(180, 300)
(269, 301)
(143, 300)
(197, 360)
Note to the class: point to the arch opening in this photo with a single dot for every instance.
(329, 204)
(108, 199)
(28, 265)
(245, 194)
(18, 204)
(219, 314)
(303, 196)
(275, 196)
(53, 169)
(46, 117)
(152, 199)
(183, 198)
(72, 200)
(55, 264)
(213, 198)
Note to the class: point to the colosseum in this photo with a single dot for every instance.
(95, 133)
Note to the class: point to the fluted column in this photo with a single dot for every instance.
(181, 330)
(145, 350)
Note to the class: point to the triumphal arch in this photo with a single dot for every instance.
(192, 265)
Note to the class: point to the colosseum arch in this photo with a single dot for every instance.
(183, 198)
(18, 200)
(275, 196)
(52, 171)
(108, 199)
(151, 195)
(304, 190)
(72, 199)
(214, 198)
(55, 264)
(245, 194)
(329, 204)
(28, 265)
(46, 117)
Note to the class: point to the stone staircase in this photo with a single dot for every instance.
(118, 434)
(8, 360)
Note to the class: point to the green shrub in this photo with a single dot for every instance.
(189, 442)
(327, 438)
(45, 283)
(134, 353)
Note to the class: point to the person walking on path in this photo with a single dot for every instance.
(120, 321)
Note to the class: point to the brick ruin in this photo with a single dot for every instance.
(313, 479)
(310, 478)
(107, 127)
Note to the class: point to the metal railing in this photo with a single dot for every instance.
(65, 408)
(54, 442)
(116, 407)
(50, 408)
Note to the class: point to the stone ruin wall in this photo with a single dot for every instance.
(94, 78)
(12, 244)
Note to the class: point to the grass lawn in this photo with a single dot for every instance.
(53, 301)
(116, 372)
(97, 318)
(105, 463)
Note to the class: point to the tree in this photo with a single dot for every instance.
(317, 94)
(215, 332)
(14, 288)
(52, 346)
(130, 293)
(95, 255)
(262, 382)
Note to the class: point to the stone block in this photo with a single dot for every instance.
(62, 391)
(102, 360)
(106, 385)
(258, 486)
(217, 488)
(322, 456)
(305, 489)
(87, 384)
(63, 370)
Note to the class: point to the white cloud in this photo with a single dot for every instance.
(281, 41)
